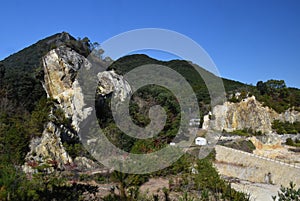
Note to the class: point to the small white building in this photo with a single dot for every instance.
(200, 141)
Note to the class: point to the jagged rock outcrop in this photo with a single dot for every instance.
(60, 67)
(247, 114)
(47, 150)
(111, 82)
(85, 164)
(60, 83)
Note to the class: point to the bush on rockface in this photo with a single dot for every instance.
(286, 127)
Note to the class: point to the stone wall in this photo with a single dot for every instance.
(254, 168)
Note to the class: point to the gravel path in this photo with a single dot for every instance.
(257, 191)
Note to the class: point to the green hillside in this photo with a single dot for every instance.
(185, 68)
(24, 110)
(20, 73)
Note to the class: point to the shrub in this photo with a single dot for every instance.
(289, 142)
(286, 127)
(288, 193)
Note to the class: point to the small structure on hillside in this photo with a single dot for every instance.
(200, 141)
(172, 143)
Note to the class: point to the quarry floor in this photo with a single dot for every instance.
(257, 191)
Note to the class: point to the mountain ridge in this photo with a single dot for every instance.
(21, 72)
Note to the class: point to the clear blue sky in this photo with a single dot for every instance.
(248, 40)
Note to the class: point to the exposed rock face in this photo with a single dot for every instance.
(60, 66)
(47, 150)
(267, 142)
(248, 113)
(61, 84)
(85, 164)
(111, 82)
(290, 116)
(206, 121)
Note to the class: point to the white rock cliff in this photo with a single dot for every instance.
(247, 114)
(60, 83)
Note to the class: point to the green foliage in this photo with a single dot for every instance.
(24, 110)
(272, 93)
(14, 136)
(75, 149)
(17, 127)
(240, 132)
(125, 181)
(149, 96)
(293, 143)
(141, 102)
(288, 193)
(244, 92)
(235, 86)
(14, 185)
(181, 166)
(275, 94)
(21, 73)
(186, 197)
(186, 69)
(206, 183)
(81, 46)
(286, 127)
(289, 142)
(243, 145)
(245, 132)
(39, 116)
(209, 179)
(118, 138)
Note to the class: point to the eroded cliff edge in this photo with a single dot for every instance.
(247, 114)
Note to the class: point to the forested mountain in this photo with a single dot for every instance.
(25, 110)
(185, 68)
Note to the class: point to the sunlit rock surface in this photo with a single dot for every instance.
(60, 82)
(247, 114)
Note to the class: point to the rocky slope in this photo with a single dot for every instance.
(62, 85)
(249, 114)
(110, 82)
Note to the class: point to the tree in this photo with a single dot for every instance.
(38, 118)
(276, 84)
(289, 142)
(271, 87)
(261, 87)
(127, 181)
(288, 193)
